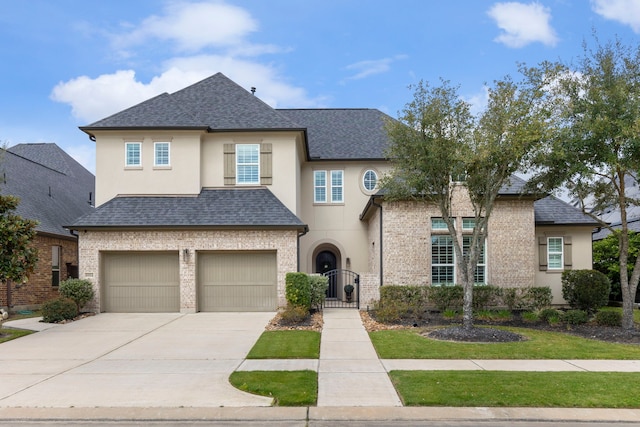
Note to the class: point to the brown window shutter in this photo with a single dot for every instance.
(568, 257)
(266, 173)
(229, 164)
(542, 253)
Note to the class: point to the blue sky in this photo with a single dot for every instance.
(67, 63)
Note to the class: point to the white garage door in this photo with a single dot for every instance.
(237, 281)
(141, 282)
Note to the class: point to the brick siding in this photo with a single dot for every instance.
(38, 287)
(91, 243)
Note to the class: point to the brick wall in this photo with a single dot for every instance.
(91, 243)
(407, 240)
(38, 288)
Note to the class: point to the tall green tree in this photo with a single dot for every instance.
(593, 144)
(438, 147)
(18, 257)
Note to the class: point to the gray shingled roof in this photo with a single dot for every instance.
(216, 103)
(343, 134)
(221, 207)
(53, 188)
(553, 211)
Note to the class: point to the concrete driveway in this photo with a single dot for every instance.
(132, 360)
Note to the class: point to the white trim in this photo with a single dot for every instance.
(256, 164)
(155, 154)
(549, 253)
(126, 154)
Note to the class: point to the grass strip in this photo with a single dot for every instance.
(409, 344)
(8, 334)
(518, 389)
(286, 345)
(287, 388)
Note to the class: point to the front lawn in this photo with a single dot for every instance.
(518, 389)
(286, 345)
(288, 388)
(409, 344)
(8, 334)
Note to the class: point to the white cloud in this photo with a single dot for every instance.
(478, 102)
(94, 99)
(371, 67)
(626, 12)
(523, 24)
(192, 26)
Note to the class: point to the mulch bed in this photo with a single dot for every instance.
(437, 327)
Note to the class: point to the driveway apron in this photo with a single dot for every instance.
(132, 360)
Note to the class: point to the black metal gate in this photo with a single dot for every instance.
(343, 290)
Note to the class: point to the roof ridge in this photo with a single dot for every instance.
(33, 161)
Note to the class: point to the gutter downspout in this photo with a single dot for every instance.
(300, 234)
(373, 203)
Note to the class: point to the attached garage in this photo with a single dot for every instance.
(237, 281)
(141, 282)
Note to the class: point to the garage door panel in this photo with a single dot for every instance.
(142, 282)
(237, 281)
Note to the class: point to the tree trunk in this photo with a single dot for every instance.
(467, 307)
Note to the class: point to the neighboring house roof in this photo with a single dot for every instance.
(553, 211)
(343, 134)
(53, 188)
(215, 104)
(214, 208)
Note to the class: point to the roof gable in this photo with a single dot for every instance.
(53, 188)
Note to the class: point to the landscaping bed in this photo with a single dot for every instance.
(434, 321)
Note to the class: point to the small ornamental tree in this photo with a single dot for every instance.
(78, 290)
(17, 255)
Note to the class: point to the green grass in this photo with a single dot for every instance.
(404, 344)
(288, 388)
(286, 345)
(8, 334)
(518, 389)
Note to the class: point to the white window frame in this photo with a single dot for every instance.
(155, 154)
(551, 253)
(126, 154)
(240, 178)
(482, 261)
(335, 185)
(451, 265)
(367, 182)
(439, 224)
(320, 189)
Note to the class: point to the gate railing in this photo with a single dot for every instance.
(343, 290)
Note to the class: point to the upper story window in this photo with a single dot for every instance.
(337, 187)
(248, 163)
(555, 255)
(161, 154)
(133, 154)
(328, 185)
(370, 180)
(320, 186)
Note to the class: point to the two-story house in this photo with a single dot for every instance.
(207, 197)
(54, 190)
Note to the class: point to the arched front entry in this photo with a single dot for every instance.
(327, 260)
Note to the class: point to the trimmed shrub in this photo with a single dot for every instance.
(293, 314)
(298, 290)
(412, 299)
(550, 315)
(511, 297)
(575, 317)
(78, 290)
(318, 286)
(447, 297)
(59, 309)
(537, 298)
(585, 289)
(609, 318)
(486, 296)
(392, 311)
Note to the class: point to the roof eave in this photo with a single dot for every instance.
(184, 227)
